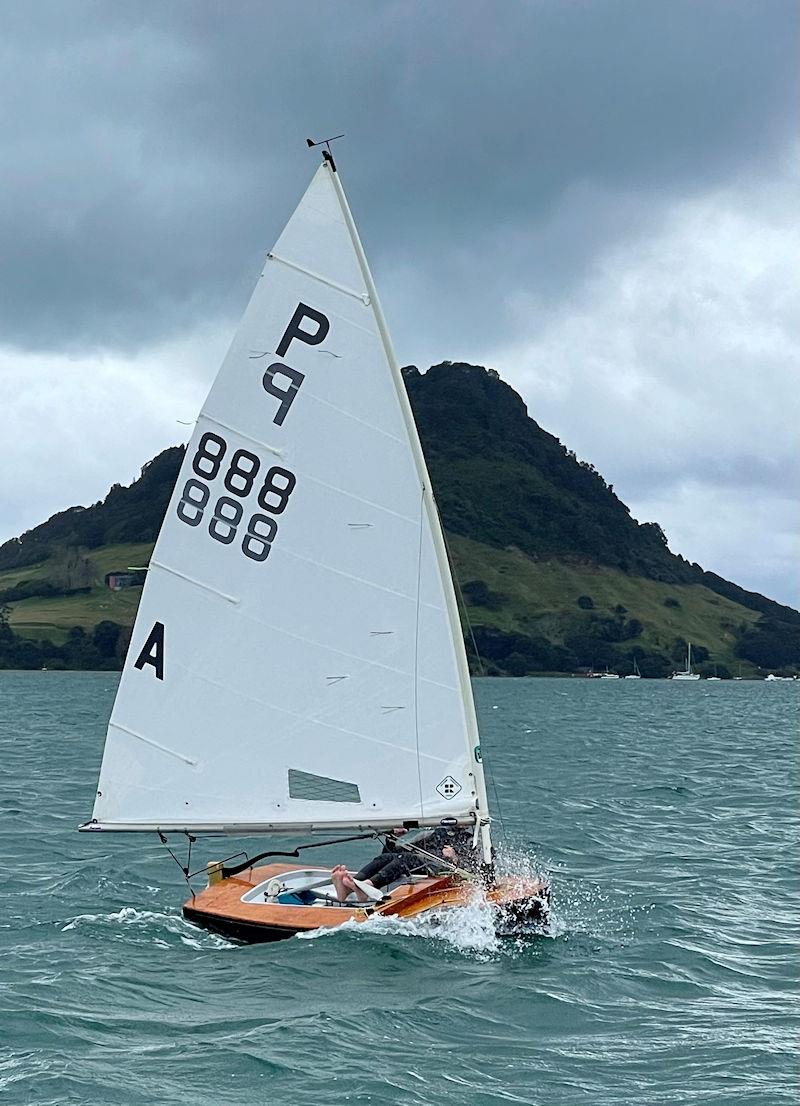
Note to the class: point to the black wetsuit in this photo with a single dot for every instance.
(395, 861)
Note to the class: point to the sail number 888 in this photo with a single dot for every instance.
(240, 478)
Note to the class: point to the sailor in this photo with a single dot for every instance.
(449, 841)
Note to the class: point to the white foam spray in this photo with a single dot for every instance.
(151, 925)
(469, 928)
(476, 928)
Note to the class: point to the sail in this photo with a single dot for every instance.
(296, 659)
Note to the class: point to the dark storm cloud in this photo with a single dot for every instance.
(151, 152)
(594, 198)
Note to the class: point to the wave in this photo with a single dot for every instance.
(152, 925)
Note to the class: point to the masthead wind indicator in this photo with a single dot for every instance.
(326, 153)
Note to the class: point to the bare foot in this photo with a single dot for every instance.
(340, 879)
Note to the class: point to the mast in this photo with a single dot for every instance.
(473, 736)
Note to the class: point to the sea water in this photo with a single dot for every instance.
(664, 813)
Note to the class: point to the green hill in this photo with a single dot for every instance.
(555, 574)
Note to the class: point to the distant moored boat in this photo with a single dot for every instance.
(687, 673)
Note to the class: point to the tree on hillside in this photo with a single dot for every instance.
(6, 633)
(770, 644)
(478, 594)
(72, 570)
(105, 638)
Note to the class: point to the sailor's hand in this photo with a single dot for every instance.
(398, 831)
(449, 852)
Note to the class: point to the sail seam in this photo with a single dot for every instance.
(356, 498)
(363, 297)
(351, 656)
(344, 320)
(310, 641)
(315, 399)
(355, 418)
(249, 437)
(155, 744)
(300, 718)
(315, 479)
(348, 575)
(191, 580)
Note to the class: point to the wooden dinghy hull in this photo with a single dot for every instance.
(237, 908)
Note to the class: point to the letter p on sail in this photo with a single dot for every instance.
(294, 329)
(282, 382)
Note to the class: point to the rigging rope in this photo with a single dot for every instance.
(248, 862)
(439, 860)
(183, 867)
(236, 869)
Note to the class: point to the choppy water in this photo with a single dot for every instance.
(665, 814)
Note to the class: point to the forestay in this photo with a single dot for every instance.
(296, 660)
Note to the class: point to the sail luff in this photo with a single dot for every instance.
(473, 736)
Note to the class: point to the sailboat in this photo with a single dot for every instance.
(297, 663)
(636, 674)
(687, 673)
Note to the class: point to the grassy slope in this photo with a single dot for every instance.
(53, 617)
(540, 597)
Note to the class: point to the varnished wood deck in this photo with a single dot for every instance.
(220, 907)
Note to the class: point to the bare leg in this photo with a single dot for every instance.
(348, 882)
(338, 877)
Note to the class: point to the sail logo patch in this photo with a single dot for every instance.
(448, 788)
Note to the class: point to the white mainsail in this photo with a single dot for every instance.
(297, 658)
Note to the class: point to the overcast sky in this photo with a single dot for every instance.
(599, 199)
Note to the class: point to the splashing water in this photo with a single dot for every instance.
(149, 925)
(476, 928)
(470, 928)
(578, 907)
(513, 860)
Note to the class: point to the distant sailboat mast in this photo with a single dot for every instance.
(687, 673)
(434, 521)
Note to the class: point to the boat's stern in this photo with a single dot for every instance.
(268, 903)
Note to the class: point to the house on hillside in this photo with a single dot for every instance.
(125, 578)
